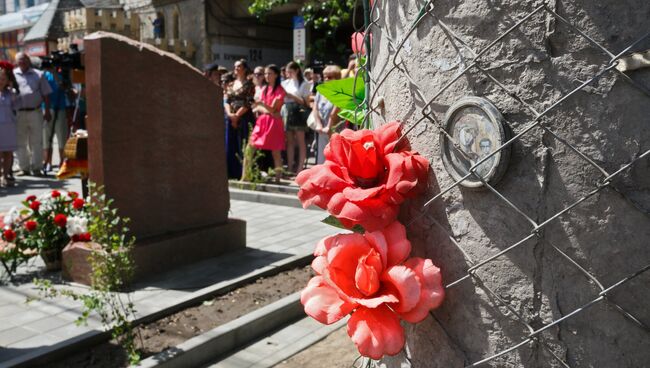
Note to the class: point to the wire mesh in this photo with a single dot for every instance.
(478, 61)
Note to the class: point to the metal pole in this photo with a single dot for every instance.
(366, 75)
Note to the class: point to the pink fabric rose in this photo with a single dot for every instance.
(370, 276)
(365, 177)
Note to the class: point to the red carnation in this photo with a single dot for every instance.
(31, 198)
(60, 220)
(78, 203)
(56, 194)
(73, 195)
(34, 205)
(30, 225)
(9, 235)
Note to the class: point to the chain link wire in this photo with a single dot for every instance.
(474, 61)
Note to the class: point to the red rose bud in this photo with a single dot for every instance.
(9, 235)
(56, 194)
(34, 205)
(73, 195)
(60, 220)
(31, 198)
(31, 225)
(78, 203)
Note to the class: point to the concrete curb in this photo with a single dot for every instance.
(204, 348)
(288, 200)
(264, 187)
(271, 350)
(44, 355)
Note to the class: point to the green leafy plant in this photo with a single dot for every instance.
(348, 95)
(325, 16)
(112, 269)
(321, 14)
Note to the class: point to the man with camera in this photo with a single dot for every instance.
(34, 90)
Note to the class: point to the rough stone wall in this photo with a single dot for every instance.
(607, 234)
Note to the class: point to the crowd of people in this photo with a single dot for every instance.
(277, 111)
(275, 119)
(36, 108)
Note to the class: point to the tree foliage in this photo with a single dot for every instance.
(325, 15)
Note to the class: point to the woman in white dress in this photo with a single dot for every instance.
(296, 105)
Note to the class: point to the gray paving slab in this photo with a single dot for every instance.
(269, 247)
(47, 324)
(12, 335)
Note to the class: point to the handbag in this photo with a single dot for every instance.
(311, 122)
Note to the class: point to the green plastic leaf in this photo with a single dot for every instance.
(354, 117)
(345, 94)
(333, 221)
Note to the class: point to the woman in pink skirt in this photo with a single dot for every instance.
(268, 133)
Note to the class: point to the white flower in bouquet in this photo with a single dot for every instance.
(47, 202)
(76, 225)
(11, 217)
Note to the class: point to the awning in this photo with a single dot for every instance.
(24, 18)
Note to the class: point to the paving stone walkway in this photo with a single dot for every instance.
(275, 234)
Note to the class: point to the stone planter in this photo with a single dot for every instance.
(52, 259)
(76, 261)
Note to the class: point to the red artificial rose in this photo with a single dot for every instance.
(73, 195)
(370, 276)
(31, 225)
(365, 177)
(56, 194)
(78, 203)
(34, 205)
(60, 220)
(31, 198)
(9, 235)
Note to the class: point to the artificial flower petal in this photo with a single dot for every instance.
(404, 281)
(432, 292)
(376, 332)
(323, 303)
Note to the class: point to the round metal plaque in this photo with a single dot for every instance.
(478, 129)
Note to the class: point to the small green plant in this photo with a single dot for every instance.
(251, 169)
(112, 269)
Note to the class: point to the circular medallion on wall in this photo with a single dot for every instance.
(478, 129)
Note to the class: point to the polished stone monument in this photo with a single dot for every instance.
(156, 143)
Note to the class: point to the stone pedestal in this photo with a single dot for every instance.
(76, 265)
(156, 143)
